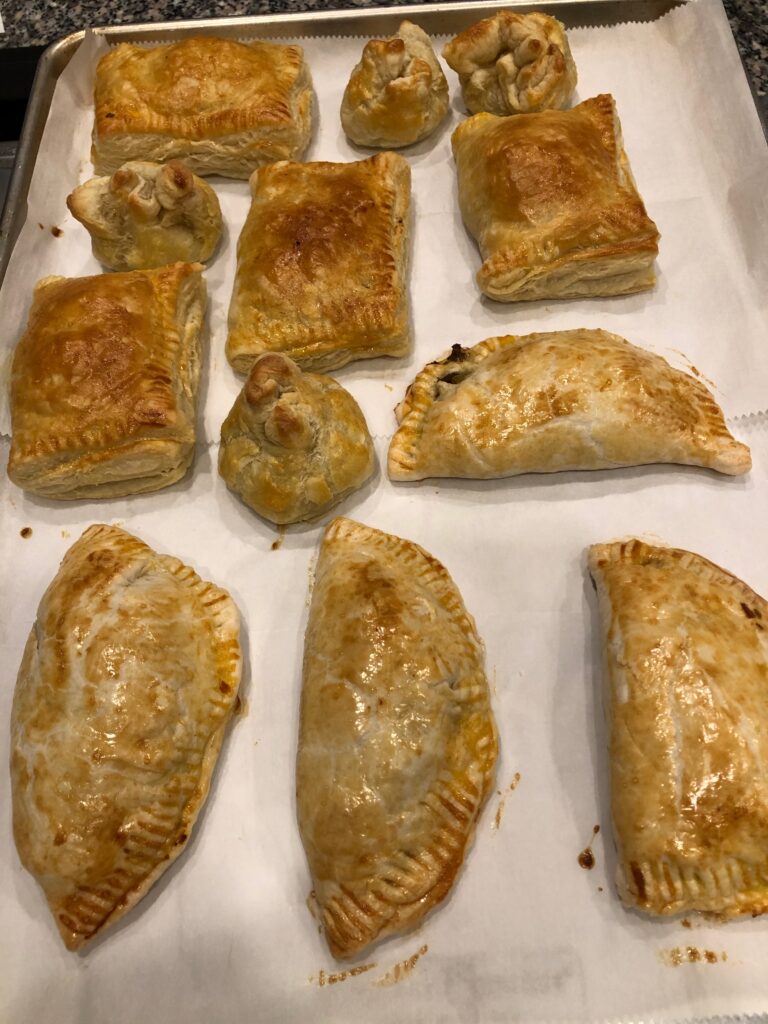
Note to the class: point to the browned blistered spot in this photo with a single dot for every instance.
(26, 532)
(225, 687)
(749, 612)
(639, 880)
(182, 838)
(586, 859)
(60, 838)
(56, 232)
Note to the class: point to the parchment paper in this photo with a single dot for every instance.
(528, 935)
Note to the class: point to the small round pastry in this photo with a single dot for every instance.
(397, 94)
(147, 215)
(294, 444)
(513, 64)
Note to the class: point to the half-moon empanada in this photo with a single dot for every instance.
(397, 94)
(104, 383)
(687, 662)
(513, 64)
(397, 743)
(322, 264)
(294, 444)
(541, 403)
(553, 206)
(128, 680)
(147, 215)
(224, 107)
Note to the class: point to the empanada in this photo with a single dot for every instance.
(553, 206)
(224, 107)
(294, 444)
(687, 662)
(104, 383)
(397, 742)
(541, 403)
(147, 215)
(322, 264)
(397, 94)
(128, 680)
(513, 64)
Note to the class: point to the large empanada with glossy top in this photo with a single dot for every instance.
(397, 743)
(128, 680)
(541, 403)
(322, 264)
(104, 383)
(294, 444)
(552, 204)
(687, 663)
(513, 63)
(224, 107)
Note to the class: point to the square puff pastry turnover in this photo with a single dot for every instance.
(551, 201)
(322, 264)
(104, 383)
(397, 741)
(127, 683)
(224, 107)
(687, 661)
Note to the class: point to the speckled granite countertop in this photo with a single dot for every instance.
(38, 22)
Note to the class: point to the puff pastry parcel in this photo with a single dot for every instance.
(147, 215)
(294, 444)
(224, 107)
(540, 403)
(104, 383)
(553, 206)
(127, 682)
(513, 64)
(397, 94)
(322, 264)
(687, 663)
(397, 742)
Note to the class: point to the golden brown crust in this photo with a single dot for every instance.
(397, 94)
(513, 63)
(322, 264)
(104, 383)
(294, 444)
(564, 400)
(225, 107)
(128, 680)
(551, 201)
(686, 657)
(147, 215)
(397, 743)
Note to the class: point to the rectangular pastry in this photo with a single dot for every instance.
(322, 264)
(104, 383)
(552, 203)
(224, 107)
(687, 678)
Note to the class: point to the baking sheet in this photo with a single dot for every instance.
(528, 935)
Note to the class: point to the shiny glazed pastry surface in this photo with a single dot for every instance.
(147, 215)
(294, 444)
(513, 64)
(322, 264)
(553, 206)
(687, 663)
(397, 94)
(128, 680)
(397, 743)
(224, 107)
(104, 383)
(540, 403)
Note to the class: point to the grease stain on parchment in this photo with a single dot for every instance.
(333, 978)
(503, 800)
(678, 955)
(402, 969)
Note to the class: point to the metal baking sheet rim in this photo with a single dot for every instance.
(439, 18)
